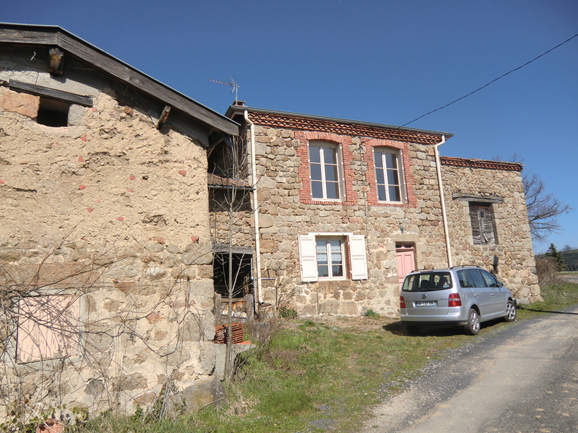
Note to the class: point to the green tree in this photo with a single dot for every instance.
(557, 257)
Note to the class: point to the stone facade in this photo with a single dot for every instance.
(105, 246)
(288, 211)
(511, 255)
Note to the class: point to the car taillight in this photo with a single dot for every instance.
(454, 300)
(401, 302)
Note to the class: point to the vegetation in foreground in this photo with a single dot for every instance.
(315, 375)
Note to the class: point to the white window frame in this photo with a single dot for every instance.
(355, 252)
(328, 251)
(339, 161)
(398, 154)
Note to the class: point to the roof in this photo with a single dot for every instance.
(481, 163)
(281, 119)
(75, 47)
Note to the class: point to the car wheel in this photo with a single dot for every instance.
(412, 329)
(473, 325)
(511, 311)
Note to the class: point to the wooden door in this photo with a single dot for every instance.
(405, 261)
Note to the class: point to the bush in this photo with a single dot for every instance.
(287, 313)
(547, 270)
(372, 314)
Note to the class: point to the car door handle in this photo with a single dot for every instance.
(475, 295)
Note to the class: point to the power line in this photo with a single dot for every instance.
(493, 81)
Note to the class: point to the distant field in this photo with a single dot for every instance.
(570, 276)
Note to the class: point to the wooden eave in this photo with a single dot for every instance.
(53, 36)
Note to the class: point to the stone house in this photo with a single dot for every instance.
(106, 295)
(345, 209)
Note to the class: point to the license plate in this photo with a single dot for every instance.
(425, 304)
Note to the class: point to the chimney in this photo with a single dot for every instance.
(239, 103)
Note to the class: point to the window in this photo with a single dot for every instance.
(427, 281)
(324, 256)
(325, 171)
(52, 112)
(489, 279)
(388, 174)
(482, 219)
(330, 253)
(477, 278)
(48, 328)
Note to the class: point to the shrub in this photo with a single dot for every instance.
(287, 313)
(372, 314)
(547, 270)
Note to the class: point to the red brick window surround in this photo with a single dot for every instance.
(347, 195)
(404, 173)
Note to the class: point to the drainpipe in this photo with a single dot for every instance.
(258, 299)
(444, 215)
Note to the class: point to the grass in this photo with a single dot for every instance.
(320, 374)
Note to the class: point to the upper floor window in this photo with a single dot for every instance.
(482, 219)
(325, 171)
(52, 112)
(388, 174)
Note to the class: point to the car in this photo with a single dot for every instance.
(457, 296)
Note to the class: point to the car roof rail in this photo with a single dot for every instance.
(464, 266)
(428, 270)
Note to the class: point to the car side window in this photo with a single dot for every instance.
(476, 278)
(490, 280)
(463, 279)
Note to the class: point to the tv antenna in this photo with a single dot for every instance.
(233, 84)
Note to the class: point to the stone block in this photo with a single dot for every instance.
(203, 393)
(21, 103)
(329, 307)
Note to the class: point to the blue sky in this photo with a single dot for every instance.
(377, 61)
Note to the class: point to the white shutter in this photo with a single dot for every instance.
(358, 257)
(307, 258)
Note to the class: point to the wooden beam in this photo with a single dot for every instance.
(109, 65)
(477, 198)
(164, 116)
(56, 61)
(50, 93)
(26, 35)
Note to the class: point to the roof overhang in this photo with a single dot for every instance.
(344, 126)
(54, 36)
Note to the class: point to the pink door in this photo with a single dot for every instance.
(405, 261)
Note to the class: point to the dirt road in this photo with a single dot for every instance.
(522, 379)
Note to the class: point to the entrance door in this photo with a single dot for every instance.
(405, 261)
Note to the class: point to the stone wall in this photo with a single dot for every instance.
(286, 211)
(110, 214)
(512, 250)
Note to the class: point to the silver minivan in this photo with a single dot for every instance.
(458, 296)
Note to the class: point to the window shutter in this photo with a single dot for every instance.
(358, 257)
(307, 258)
(488, 226)
(476, 229)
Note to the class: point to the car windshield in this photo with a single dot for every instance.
(427, 281)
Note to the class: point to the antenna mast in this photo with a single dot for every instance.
(233, 84)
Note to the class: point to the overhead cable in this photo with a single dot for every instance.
(493, 81)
